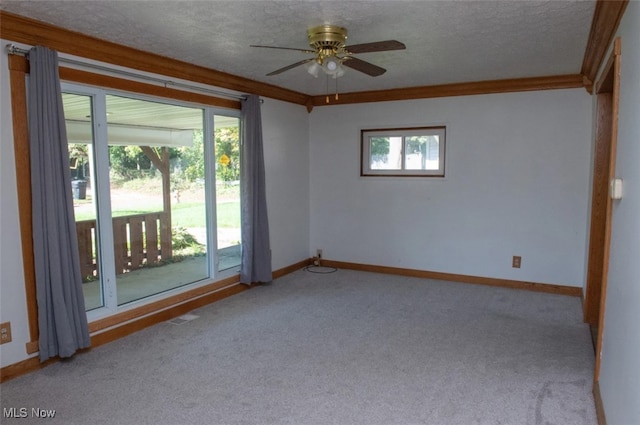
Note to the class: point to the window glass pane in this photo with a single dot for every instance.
(78, 112)
(157, 192)
(400, 152)
(421, 153)
(385, 153)
(227, 149)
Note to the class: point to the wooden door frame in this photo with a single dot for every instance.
(607, 92)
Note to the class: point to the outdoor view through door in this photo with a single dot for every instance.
(156, 194)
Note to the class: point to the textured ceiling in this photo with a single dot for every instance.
(447, 41)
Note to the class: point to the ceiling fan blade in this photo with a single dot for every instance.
(283, 48)
(376, 46)
(288, 67)
(363, 66)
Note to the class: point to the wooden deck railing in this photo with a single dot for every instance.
(138, 240)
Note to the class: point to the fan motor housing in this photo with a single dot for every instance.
(327, 37)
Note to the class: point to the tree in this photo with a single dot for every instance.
(78, 157)
(227, 145)
(128, 161)
(379, 146)
(193, 156)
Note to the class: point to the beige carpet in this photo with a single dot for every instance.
(341, 348)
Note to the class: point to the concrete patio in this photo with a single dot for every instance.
(148, 281)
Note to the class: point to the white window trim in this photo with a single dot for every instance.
(99, 112)
(365, 148)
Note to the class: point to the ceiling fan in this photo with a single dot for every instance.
(330, 53)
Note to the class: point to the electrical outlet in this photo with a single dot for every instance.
(517, 260)
(5, 332)
(319, 253)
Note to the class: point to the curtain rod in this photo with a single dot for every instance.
(12, 49)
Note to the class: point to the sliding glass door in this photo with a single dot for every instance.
(227, 150)
(156, 194)
(157, 206)
(80, 134)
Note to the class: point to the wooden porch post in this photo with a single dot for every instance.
(161, 162)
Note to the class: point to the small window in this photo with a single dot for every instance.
(403, 152)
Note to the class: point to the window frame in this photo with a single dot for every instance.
(108, 280)
(404, 132)
(104, 328)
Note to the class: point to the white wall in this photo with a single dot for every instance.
(12, 293)
(517, 183)
(285, 129)
(620, 367)
(285, 132)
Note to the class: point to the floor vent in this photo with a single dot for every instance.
(183, 319)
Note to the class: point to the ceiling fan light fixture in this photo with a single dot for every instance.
(331, 66)
(330, 52)
(314, 68)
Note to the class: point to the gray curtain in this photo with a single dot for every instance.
(256, 250)
(61, 313)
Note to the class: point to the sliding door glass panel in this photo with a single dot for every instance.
(78, 120)
(157, 193)
(227, 150)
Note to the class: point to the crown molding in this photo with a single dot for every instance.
(606, 18)
(20, 29)
(32, 32)
(456, 89)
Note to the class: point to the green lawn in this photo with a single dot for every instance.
(193, 215)
(185, 214)
(188, 215)
(228, 214)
